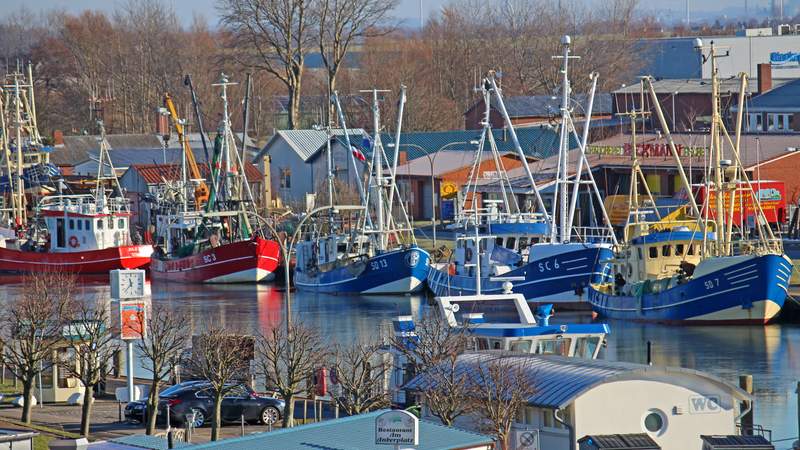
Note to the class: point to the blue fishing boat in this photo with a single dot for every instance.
(549, 257)
(371, 255)
(697, 270)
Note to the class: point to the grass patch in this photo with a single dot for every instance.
(43, 429)
(41, 442)
(9, 388)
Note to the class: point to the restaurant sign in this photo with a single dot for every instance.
(397, 427)
(646, 150)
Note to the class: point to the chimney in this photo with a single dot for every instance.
(58, 137)
(402, 157)
(764, 78)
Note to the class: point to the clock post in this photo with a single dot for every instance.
(128, 288)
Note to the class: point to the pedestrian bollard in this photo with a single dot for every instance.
(169, 425)
(170, 440)
(189, 425)
(242, 422)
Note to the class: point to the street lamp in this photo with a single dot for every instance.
(432, 161)
(287, 250)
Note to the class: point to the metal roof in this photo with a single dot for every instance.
(76, 149)
(156, 173)
(537, 141)
(737, 442)
(549, 105)
(349, 433)
(558, 381)
(126, 157)
(136, 441)
(307, 142)
(782, 98)
(444, 162)
(639, 441)
(689, 86)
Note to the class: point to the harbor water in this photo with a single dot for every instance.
(770, 353)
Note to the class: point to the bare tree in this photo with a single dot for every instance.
(221, 358)
(93, 342)
(287, 356)
(31, 329)
(434, 349)
(499, 389)
(272, 35)
(361, 371)
(339, 23)
(161, 344)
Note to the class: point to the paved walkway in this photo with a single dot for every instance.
(105, 421)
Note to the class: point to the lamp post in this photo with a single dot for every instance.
(286, 248)
(432, 161)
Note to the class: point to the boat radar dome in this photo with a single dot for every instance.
(698, 43)
(566, 40)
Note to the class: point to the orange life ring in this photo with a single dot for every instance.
(73, 241)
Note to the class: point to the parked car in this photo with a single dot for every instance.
(197, 398)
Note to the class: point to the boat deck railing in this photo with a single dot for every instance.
(83, 204)
(593, 234)
(483, 216)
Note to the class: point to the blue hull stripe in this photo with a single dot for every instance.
(723, 290)
(542, 278)
(380, 270)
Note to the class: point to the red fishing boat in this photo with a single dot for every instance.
(85, 234)
(248, 261)
(214, 240)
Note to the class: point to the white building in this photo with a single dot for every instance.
(576, 397)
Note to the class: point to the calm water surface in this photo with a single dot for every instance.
(771, 354)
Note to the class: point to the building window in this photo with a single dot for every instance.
(754, 122)
(655, 421)
(286, 178)
(779, 122)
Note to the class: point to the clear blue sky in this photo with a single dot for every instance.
(408, 9)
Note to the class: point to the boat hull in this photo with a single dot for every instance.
(560, 274)
(238, 262)
(395, 272)
(86, 262)
(750, 290)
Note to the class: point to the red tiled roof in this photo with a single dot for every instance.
(156, 173)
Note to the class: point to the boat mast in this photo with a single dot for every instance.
(518, 147)
(723, 247)
(563, 148)
(377, 157)
(20, 214)
(401, 103)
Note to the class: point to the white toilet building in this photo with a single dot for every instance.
(577, 397)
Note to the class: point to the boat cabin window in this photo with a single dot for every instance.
(496, 345)
(71, 224)
(498, 241)
(523, 243)
(110, 223)
(690, 250)
(121, 224)
(99, 224)
(554, 347)
(86, 224)
(481, 344)
(678, 249)
(80, 224)
(586, 346)
(510, 242)
(666, 250)
(523, 346)
(653, 252)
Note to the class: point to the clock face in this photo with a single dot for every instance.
(131, 284)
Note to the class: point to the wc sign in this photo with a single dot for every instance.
(704, 404)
